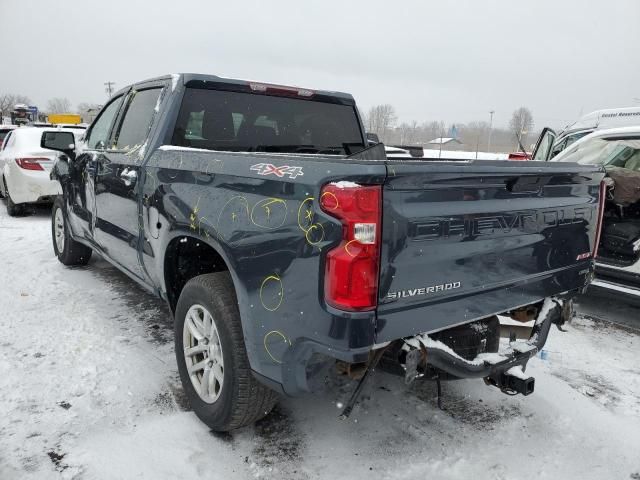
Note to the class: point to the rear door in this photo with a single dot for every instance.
(467, 241)
(117, 228)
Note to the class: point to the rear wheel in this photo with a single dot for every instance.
(68, 251)
(212, 358)
(13, 209)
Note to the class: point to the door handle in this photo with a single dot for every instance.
(129, 177)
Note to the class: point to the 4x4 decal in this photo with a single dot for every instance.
(285, 170)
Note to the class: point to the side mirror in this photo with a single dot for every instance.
(60, 141)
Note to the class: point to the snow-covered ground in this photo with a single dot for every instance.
(89, 390)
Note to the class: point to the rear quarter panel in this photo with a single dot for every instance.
(272, 235)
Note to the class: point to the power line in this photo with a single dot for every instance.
(109, 88)
(491, 112)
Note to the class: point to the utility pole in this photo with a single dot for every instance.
(491, 112)
(109, 88)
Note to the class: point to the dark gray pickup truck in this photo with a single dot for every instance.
(285, 244)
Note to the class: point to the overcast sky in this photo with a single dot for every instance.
(446, 60)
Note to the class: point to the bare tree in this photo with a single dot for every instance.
(380, 119)
(59, 105)
(521, 124)
(9, 100)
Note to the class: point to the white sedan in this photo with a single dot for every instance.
(24, 169)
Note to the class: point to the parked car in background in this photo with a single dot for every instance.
(25, 167)
(519, 156)
(618, 151)
(550, 143)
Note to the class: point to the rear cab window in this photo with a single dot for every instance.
(251, 122)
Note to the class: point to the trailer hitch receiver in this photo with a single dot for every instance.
(512, 382)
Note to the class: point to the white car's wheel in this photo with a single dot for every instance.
(13, 209)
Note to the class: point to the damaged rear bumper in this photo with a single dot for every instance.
(504, 369)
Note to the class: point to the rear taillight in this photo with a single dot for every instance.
(30, 163)
(351, 270)
(601, 202)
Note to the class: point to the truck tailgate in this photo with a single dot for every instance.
(462, 241)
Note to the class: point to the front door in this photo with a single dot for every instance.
(83, 170)
(118, 227)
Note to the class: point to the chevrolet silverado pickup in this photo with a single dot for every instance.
(284, 244)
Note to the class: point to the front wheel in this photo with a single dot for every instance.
(212, 359)
(68, 251)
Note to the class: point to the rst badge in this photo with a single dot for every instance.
(284, 170)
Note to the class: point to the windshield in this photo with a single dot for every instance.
(245, 122)
(622, 152)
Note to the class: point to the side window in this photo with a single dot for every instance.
(102, 126)
(10, 141)
(559, 147)
(6, 141)
(137, 119)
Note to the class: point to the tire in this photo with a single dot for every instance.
(13, 209)
(68, 251)
(241, 399)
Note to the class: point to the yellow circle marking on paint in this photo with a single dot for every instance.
(281, 335)
(310, 229)
(266, 204)
(277, 279)
(243, 201)
(302, 204)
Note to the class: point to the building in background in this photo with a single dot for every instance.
(444, 143)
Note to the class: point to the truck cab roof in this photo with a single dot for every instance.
(200, 80)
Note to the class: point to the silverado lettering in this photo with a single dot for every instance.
(423, 290)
